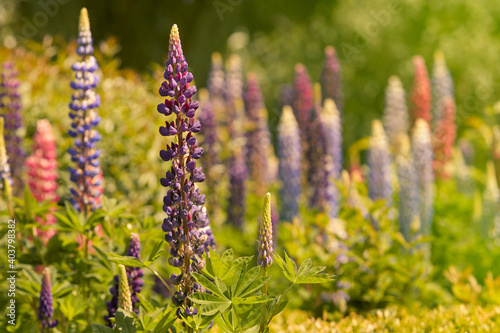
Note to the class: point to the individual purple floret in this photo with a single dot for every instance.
(331, 78)
(290, 156)
(258, 136)
(379, 185)
(238, 175)
(10, 108)
(134, 277)
(46, 307)
(86, 195)
(186, 222)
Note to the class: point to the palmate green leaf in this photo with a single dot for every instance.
(306, 264)
(211, 303)
(284, 269)
(252, 299)
(314, 275)
(239, 272)
(247, 280)
(125, 260)
(209, 284)
(166, 322)
(227, 256)
(220, 268)
(256, 286)
(103, 258)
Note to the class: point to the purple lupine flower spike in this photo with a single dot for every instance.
(258, 136)
(303, 105)
(396, 117)
(5, 172)
(10, 108)
(332, 128)
(442, 85)
(331, 78)
(380, 186)
(135, 274)
(46, 307)
(186, 224)
(238, 175)
(86, 195)
(408, 187)
(290, 156)
(423, 158)
(216, 83)
(235, 106)
(134, 277)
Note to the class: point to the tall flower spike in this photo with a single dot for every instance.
(421, 92)
(134, 280)
(423, 159)
(332, 128)
(186, 222)
(317, 164)
(265, 242)
(135, 274)
(10, 108)
(216, 83)
(124, 301)
(258, 136)
(289, 153)
(442, 84)
(46, 307)
(235, 107)
(42, 173)
(408, 187)
(396, 111)
(331, 78)
(303, 103)
(210, 140)
(86, 195)
(5, 174)
(380, 186)
(238, 175)
(444, 140)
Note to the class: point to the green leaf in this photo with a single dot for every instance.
(208, 284)
(283, 267)
(304, 267)
(205, 298)
(145, 303)
(252, 299)
(125, 260)
(255, 286)
(156, 252)
(124, 322)
(228, 256)
(247, 280)
(291, 266)
(96, 328)
(166, 322)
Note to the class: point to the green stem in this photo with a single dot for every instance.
(163, 281)
(238, 322)
(264, 312)
(279, 302)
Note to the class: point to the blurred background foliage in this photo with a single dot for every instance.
(374, 39)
